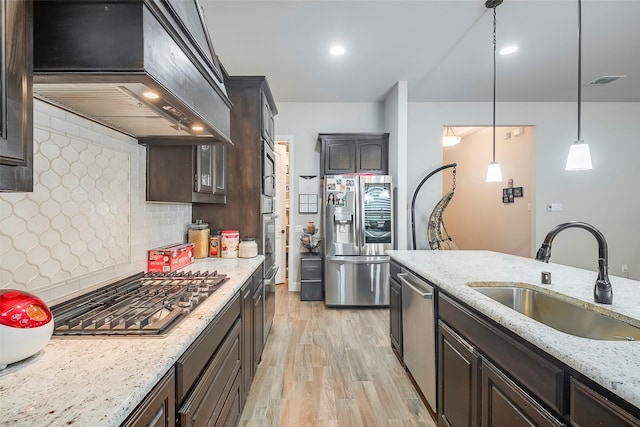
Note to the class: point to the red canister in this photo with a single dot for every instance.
(229, 242)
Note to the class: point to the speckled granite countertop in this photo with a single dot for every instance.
(613, 364)
(99, 382)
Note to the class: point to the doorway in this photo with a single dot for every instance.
(492, 216)
(282, 210)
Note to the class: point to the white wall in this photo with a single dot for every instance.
(304, 121)
(396, 124)
(606, 197)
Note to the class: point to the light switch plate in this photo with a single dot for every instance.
(554, 207)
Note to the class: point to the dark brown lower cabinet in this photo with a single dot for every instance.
(488, 377)
(258, 322)
(159, 407)
(504, 404)
(246, 295)
(207, 404)
(591, 409)
(458, 388)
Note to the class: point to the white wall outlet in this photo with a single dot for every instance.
(518, 131)
(298, 228)
(554, 207)
(625, 268)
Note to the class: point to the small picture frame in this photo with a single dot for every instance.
(507, 195)
(517, 192)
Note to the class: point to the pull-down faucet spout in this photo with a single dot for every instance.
(602, 292)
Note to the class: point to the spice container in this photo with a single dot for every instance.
(199, 236)
(229, 243)
(214, 244)
(248, 248)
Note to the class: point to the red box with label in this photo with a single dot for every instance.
(170, 258)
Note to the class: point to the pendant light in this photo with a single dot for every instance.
(579, 156)
(494, 173)
(449, 140)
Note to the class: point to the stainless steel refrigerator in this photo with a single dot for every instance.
(357, 229)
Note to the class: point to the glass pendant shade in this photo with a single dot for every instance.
(579, 158)
(449, 140)
(494, 173)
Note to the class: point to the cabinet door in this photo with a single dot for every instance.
(268, 127)
(504, 404)
(16, 96)
(339, 156)
(258, 323)
(395, 317)
(591, 409)
(204, 169)
(458, 383)
(220, 170)
(246, 294)
(371, 156)
(158, 409)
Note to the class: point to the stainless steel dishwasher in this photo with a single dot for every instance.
(418, 333)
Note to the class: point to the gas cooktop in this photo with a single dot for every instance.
(145, 304)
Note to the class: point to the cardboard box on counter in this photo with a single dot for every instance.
(169, 258)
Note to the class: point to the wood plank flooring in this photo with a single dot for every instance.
(330, 367)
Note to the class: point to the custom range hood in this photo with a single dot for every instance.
(146, 68)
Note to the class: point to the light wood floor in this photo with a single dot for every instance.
(330, 367)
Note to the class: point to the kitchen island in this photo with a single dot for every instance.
(100, 381)
(614, 365)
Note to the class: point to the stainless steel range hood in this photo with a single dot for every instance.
(146, 68)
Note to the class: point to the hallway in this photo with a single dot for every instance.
(330, 367)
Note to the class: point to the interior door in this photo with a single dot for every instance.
(280, 210)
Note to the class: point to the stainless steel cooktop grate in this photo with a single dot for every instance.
(140, 305)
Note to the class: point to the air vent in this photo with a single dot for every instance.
(604, 80)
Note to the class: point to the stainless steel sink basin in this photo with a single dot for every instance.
(575, 318)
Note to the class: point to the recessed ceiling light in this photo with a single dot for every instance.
(197, 128)
(508, 50)
(150, 95)
(336, 50)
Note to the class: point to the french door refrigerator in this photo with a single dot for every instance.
(357, 228)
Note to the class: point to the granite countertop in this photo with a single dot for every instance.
(100, 381)
(615, 365)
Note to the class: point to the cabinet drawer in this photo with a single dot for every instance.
(589, 408)
(311, 269)
(529, 369)
(204, 405)
(158, 409)
(311, 290)
(189, 367)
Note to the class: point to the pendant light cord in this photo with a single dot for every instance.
(494, 84)
(579, 62)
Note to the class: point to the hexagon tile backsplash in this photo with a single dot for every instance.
(78, 222)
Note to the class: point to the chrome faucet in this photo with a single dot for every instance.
(602, 292)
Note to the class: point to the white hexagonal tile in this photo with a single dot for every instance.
(14, 225)
(87, 158)
(49, 268)
(70, 154)
(26, 242)
(50, 208)
(70, 236)
(69, 263)
(25, 274)
(13, 260)
(40, 194)
(60, 222)
(61, 194)
(59, 140)
(50, 179)
(26, 209)
(38, 225)
(50, 238)
(70, 208)
(6, 244)
(49, 150)
(60, 166)
(79, 169)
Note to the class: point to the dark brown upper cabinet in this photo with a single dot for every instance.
(343, 153)
(16, 96)
(187, 174)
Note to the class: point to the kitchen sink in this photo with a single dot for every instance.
(572, 317)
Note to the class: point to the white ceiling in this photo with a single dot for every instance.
(443, 48)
